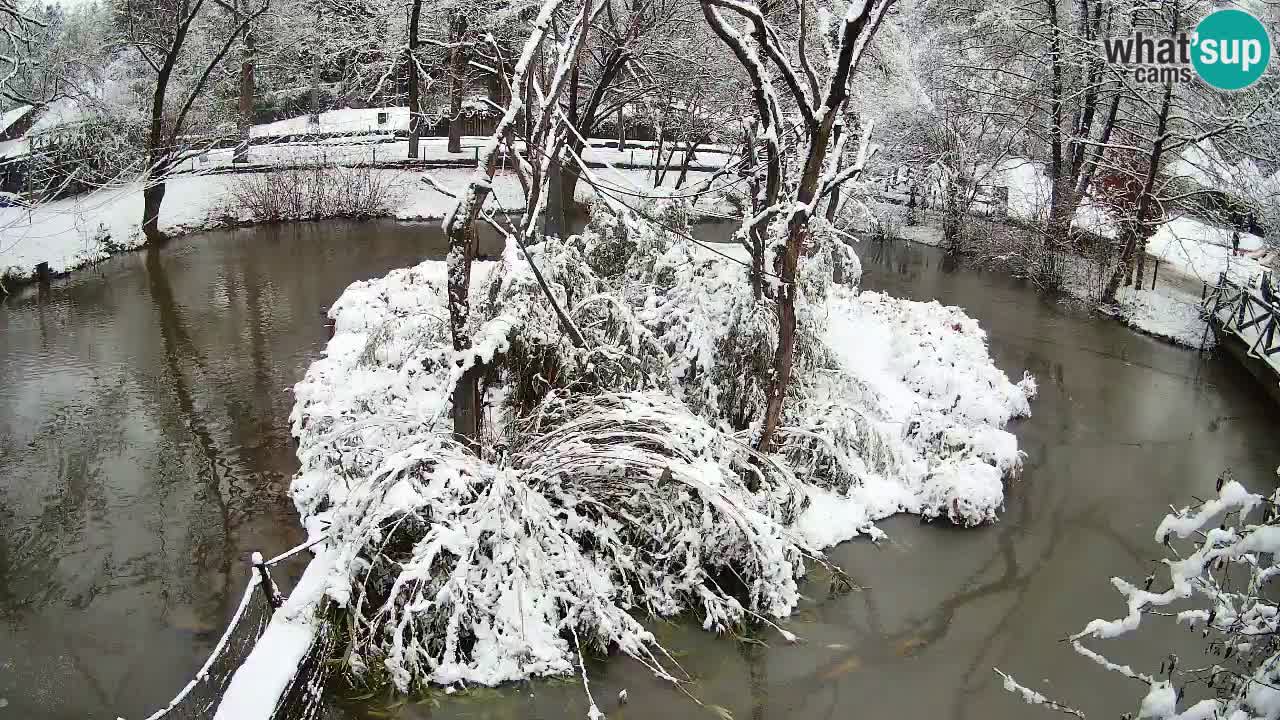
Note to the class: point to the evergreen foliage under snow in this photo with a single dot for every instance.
(620, 479)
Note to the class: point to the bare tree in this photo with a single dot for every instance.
(819, 104)
(160, 32)
(460, 225)
(18, 26)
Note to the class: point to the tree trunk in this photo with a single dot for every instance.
(1054, 236)
(246, 98)
(567, 175)
(834, 203)
(690, 153)
(1062, 209)
(622, 129)
(1136, 228)
(158, 154)
(554, 217)
(152, 197)
(466, 396)
(797, 234)
(457, 80)
(757, 238)
(415, 102)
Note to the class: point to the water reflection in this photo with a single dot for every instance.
(144, 451)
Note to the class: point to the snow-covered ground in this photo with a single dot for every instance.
(1183, 254)
(1169, 311)
(1203, 251)
(75, 231)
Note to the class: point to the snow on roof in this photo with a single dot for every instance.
(14, 148)
(60, 113)
(1201, 164)
(12, 116)
(352, 121)
(337, 122)
(1204, 165)
(57, 114)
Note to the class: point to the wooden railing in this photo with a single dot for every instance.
(297, 694)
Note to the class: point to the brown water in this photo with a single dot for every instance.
(144, 452)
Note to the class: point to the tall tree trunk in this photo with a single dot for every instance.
(554, 218)
(756, 240)
(1135, 229)
(622, 128)
(1055, 235)
(152, 197)
(457, 80)
(834, 203)
(797, 234)
(415, 102)
(158, 153)
(247, 86)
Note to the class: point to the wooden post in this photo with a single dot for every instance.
(42, 273)
(268, 585)
(1154, 270)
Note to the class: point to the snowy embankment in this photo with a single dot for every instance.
(73, 232)
(616, 484)
(1185, 253)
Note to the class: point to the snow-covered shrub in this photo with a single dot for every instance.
(1225, 552)
(620, 475)
(609, 244)
(836, 444)
(99, 150)
(311, 193)
(620, 354)
(469, 571)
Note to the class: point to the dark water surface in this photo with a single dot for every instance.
(144, 452)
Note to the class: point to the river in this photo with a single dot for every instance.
(145, 452)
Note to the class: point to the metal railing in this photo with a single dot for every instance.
(1242, 311)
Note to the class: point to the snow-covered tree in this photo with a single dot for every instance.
(20, 28)
(818, 96)
(1216, 582)
(178, 44)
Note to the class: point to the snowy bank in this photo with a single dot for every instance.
(77, 231)
(620, 477)
(1203, 251)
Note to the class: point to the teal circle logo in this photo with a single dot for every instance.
(1231, 49)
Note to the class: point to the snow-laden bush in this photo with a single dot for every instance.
(98, 150)
(1217, 582)
(311, 193)
(618, 477)
(479, 572)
